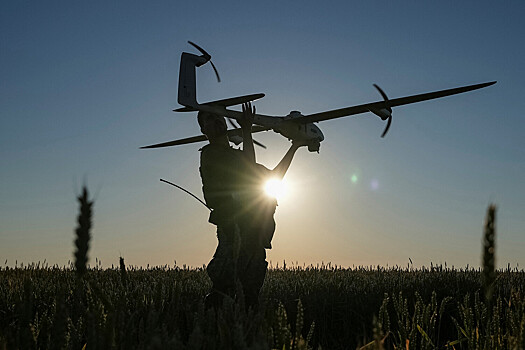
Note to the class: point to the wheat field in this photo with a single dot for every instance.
(309, 307)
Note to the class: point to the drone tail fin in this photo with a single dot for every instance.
(187, 82)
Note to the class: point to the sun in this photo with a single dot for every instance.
(275, 188)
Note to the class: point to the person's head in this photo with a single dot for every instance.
(212, 125)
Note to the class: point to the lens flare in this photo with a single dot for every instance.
(354, 179)
(275, 188)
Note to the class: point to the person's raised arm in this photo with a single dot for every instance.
(280, 170)
(246, 125)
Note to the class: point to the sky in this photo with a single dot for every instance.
(83, 85)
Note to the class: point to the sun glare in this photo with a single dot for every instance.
(275, 188)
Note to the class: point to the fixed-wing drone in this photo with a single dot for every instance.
(294, 126)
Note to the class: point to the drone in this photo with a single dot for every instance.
(294, 126)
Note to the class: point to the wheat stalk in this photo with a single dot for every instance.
(123, 273)
(489, 233)
(82, 232)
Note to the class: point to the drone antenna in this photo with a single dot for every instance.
(188, 192)
(207, 56)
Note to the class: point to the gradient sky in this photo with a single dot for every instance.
(84, 84)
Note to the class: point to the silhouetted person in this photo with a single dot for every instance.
(232, 183)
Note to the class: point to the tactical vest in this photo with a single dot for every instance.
(233, 188)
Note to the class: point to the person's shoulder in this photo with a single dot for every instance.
(211, 147)
(205, 147)
(218, 152)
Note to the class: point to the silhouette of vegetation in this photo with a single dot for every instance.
(489, 273)
(303, 307)
(82, 232)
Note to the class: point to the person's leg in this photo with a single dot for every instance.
(221, 272)
(252, 275)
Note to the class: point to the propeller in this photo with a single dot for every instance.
(235, 126)
(207, 56)
(386, 112)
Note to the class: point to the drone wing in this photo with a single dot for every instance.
(193, 139)
(343, 112)
(224, 103)
(200, 138)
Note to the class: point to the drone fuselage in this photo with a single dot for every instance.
(285, 126)
(308, 132)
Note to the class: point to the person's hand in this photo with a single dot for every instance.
(300, 143)
(247, 115)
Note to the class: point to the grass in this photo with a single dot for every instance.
(310, 307)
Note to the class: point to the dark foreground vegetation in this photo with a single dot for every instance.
(327, 307)
(160, 308)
